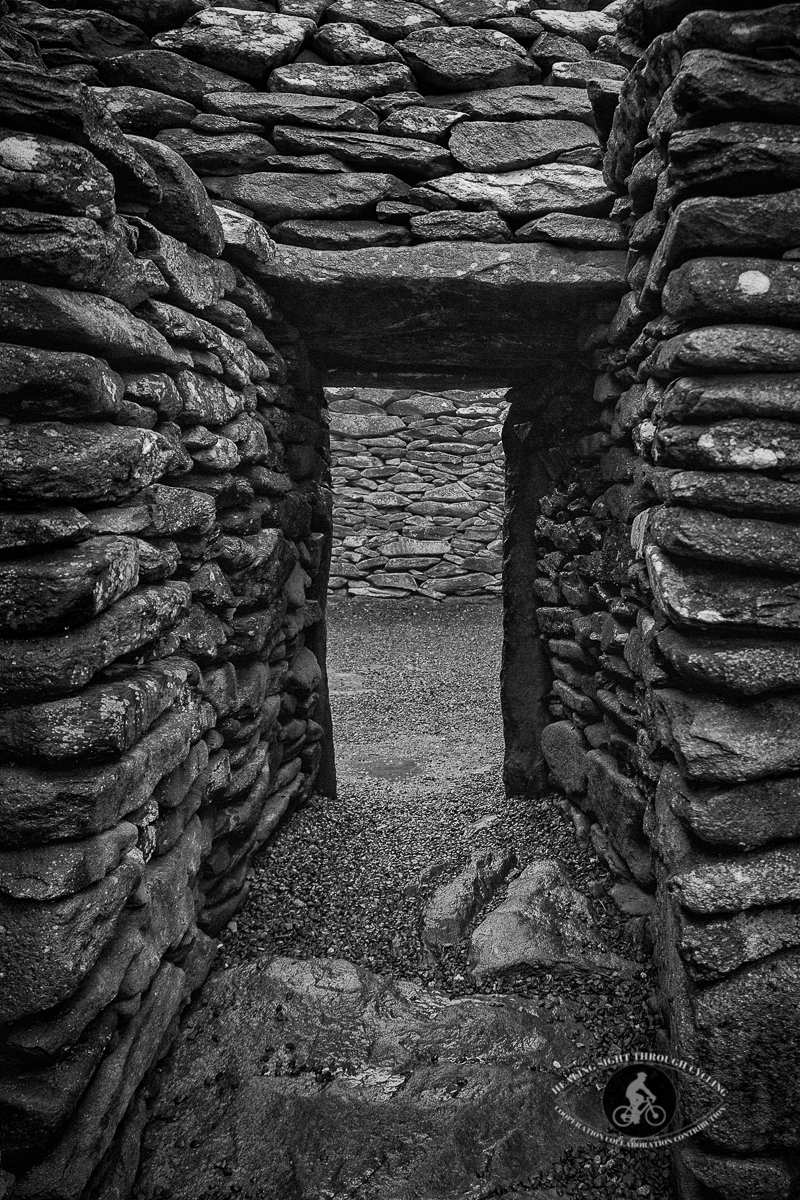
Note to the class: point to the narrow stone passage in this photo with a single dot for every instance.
(341, 1049)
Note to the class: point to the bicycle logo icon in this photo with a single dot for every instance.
(640, 1099)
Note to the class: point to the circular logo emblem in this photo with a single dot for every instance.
(639, 1099)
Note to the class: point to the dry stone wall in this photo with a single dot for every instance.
(419, 490)
(668, 569)
(163, 561)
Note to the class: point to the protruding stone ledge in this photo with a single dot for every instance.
(442, 305)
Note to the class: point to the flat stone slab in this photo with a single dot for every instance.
(508, 145)
(530, 192)
(523, 102)
(319, 1078)
(475, 306)
(463, 59)
(388, 20)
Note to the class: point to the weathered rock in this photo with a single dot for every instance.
(50, 945)
(483, 289)
(744, 815)
(44, 527)
(66, 1170)
(247, 44)
(431, 125)
(76, 252)
(279, 196)
(569, 230)
(95, 462)
(388, 20)
(744, 665)
(716, 946)
(726, 348)
(520, 103)
(475, 12)
(47, 383)
(585, 27)
(184, 211)
(508, 145)
(759, 1178)
(339, 235)
(343, 43)
(711, 86)
(42, 806)
(64, 868)
(565, 751)
(44, 104)
(89, 36)
(63, 663)
(247, 242)
(694, 596)
(729, 224)
(544, 923)
(756, 879)
(719, 741)
(453, 905)
(57, 318)
(42, 172)
(169, 73)
(454, 226)
(371, 151)
(735, 154)
(699, 398)
(619, 804)
(105, 718)
(731, 1027)
(65, 587)
(465, 59)
(319, 112)
(332, 1011)
(530, 192)
(195, 281)
(734, 289)
(742, 541)
(732, 492)
(585, 72)
(223, 154)
(551, 48)
(736, 445)
(347, 83)
(142, 110)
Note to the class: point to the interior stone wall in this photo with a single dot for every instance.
(164, 485)
(418, 492)
(667, 568)
(166, 531)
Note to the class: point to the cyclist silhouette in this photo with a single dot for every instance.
(641, 1103)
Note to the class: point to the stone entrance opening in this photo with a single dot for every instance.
(418, 492)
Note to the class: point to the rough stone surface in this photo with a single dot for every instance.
(530, 192)
(543, 922)
(345, 1033)
(465, 59)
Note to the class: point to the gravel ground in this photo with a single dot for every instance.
(419, 756)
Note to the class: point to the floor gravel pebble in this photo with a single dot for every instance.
(419, 756)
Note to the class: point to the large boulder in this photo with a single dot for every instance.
(544, 923)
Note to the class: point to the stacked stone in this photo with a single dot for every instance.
(364, 123)
(418, 492)
(163, 473)
(705, 361)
